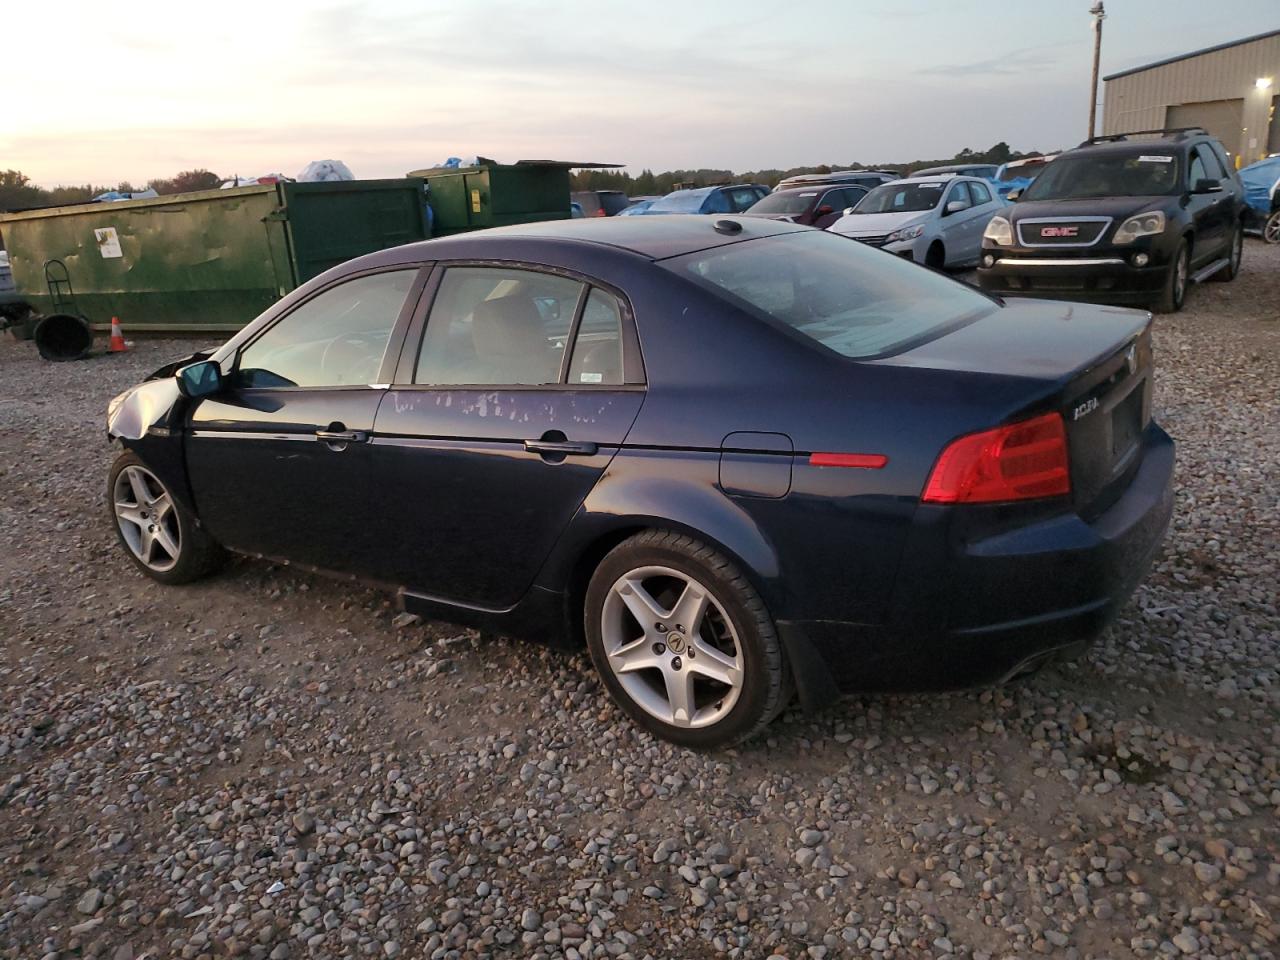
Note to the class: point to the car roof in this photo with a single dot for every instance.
(935, 178)
(1124, 147)
(655, 238)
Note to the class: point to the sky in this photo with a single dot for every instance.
(137, 90)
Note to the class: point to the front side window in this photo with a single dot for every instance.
(902, 197)
(497, 326)
(850, 298)
(1198, 170)
(335, 339)
(980, 193)
(959, 191)
(786, 202)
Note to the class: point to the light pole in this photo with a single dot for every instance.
(1099, 14)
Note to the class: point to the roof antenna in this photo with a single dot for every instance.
(728, 227)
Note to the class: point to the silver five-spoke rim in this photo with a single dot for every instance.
(147, 520)
(672, 647)
(1271, 231)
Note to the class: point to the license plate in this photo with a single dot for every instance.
(1126, 424)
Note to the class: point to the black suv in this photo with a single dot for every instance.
(1121, 220)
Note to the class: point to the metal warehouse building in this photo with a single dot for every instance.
(1230, 90)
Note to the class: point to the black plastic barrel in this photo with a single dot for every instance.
(62, 336)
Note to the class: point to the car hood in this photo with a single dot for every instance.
(860, 224)
(1044, 340)
(1118, 208)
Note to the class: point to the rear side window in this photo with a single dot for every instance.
(497, 326)
(852, 299)
(597, 350)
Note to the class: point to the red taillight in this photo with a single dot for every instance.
(600, 213)
(1021, 461)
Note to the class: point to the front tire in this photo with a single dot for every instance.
(683, 642)
(935, 257)
(158, 533)
(1271, 229)
(1174, 293)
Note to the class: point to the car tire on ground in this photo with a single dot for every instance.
(683, 641)
(1232, 269)
(935, 257)
(158, 533)
(1271, 229)
(1174, 292)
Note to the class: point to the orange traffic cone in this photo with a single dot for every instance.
(117, 344)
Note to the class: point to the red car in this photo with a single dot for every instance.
(812, 206)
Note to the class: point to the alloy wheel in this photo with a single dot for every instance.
(1271, 231)
(672, 647)
(147, 519)
(1180, 279)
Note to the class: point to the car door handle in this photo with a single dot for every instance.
(342, 436)
(562, 448)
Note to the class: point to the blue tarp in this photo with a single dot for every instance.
(1261, 182)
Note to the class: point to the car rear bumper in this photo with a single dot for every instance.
(974, 611)
(1099, 277)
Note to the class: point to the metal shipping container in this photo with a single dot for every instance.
(206, 261)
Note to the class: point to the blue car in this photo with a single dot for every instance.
(730, 199)
(736, 458)
(1262, 193)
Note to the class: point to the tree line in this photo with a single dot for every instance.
(648, 183)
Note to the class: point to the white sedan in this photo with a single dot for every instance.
(937, 221)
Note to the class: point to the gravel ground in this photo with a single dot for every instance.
(269, 764)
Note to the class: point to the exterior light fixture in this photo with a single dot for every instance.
(1262, 83)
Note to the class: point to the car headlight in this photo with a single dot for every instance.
(1143, 225)
(999, 231)
(906, 233)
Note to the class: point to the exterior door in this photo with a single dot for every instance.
(957, 228)
(279, 461)
(499, 424)
(1212, 212)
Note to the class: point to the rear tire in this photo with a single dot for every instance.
(160, 536)
(1232, 269)
(1174, 293)
(683, 641)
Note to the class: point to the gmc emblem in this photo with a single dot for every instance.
(1059, 231)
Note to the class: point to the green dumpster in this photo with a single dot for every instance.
(493, 194)
(205, 261)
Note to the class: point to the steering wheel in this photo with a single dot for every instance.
(345, 352)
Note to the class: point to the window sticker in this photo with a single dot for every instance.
(1146, 159)
(813, 194)
(585, 377)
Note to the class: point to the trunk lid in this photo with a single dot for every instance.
(1092, 364)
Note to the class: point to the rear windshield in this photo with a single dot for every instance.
(855, 300)
(682, 201)
(785, 202)
(1150, 174)
(614, 202)
(901, 197)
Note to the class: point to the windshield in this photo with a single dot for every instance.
(785, 202)
(682, 201)
(1132, 175)
(853, 299)
(901, 197)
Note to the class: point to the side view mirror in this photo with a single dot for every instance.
(848, 210)
(201, 379)
(823, 210)
(957, 206)
(1208, 185)
(1013, 195)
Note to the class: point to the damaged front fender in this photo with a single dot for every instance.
(149, 419)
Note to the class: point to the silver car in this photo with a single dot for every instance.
(937, 221)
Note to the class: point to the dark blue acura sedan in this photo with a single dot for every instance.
(741, 459)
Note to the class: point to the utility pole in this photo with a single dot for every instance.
(1099, 14)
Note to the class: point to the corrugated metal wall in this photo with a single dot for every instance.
(1140, 101)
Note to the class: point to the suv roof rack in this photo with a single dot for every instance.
(1176, 133)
